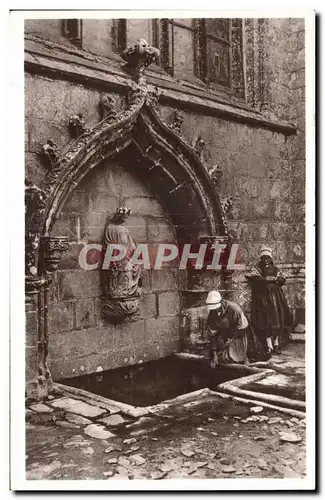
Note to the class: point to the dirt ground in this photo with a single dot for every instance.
(211, 439)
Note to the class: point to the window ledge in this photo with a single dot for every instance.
(63, 62)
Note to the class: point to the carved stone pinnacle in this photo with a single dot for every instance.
(77, 125)
(139, 57)
(50, 151)
(199, 145)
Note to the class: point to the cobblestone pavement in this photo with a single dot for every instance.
(289, 379)
(208, 439)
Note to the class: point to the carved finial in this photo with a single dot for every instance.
(50, 151)
(153, 97)
(139, 57)
(107, 107)
(77, 125)
(199, 145)
(227, 204)
(215, 173)
(177, 121)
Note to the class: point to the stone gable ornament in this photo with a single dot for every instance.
(50, 151)
(107, 107)
(120, 282)
(139, 57)
(77, 125)
(177, 121)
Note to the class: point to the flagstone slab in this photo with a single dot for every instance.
(98, 431)
(78, 407)
(113, 420)
(41, 408)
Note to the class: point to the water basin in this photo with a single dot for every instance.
(156, 381)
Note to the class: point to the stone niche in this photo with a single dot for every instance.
(83, 339)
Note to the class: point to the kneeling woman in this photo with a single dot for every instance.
(228, 330)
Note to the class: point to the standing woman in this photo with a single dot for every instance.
(271, 318)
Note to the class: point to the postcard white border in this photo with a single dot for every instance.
(15, 171)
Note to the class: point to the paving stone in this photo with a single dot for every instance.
(112, 461)
(67, 425)
(131, 450)
(129, 441)
(113, 420)
(77, 419)
(138, 459)
(141, 422)
(274, 420)
(228, 469)
(188, 453)
(166, 467)
(239, 472)
(98, 431)
(123, 461)
(79, 407)
(256, 409)
(108, 473)
(259, 438)
(290, 437)
(158, 475)
(88, 451)
(262, 464)
(41, 408)
(120, 477)
(224, 461)
(113, 448)
(122, 470)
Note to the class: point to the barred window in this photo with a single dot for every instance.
(72, 29)
(220, 60)
(218, 50)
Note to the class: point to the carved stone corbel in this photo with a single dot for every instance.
(226, 204)
(215, 173)
(107, 108)
(139, 57)
(50, 152)
(199, 145)
(177, 122)
(52, 248)
(153, 98)
(77, 125)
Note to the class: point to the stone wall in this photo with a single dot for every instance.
(81, 339)
(263, 171)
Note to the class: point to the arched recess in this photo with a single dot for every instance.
(139, 138)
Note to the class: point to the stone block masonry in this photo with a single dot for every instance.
(81, 340)
(263, 170)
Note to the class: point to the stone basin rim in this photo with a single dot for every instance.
(232, 387)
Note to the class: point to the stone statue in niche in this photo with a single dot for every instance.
(121, 280)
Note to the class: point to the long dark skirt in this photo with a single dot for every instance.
(270, 312)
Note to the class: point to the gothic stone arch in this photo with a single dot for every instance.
(171, 165)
